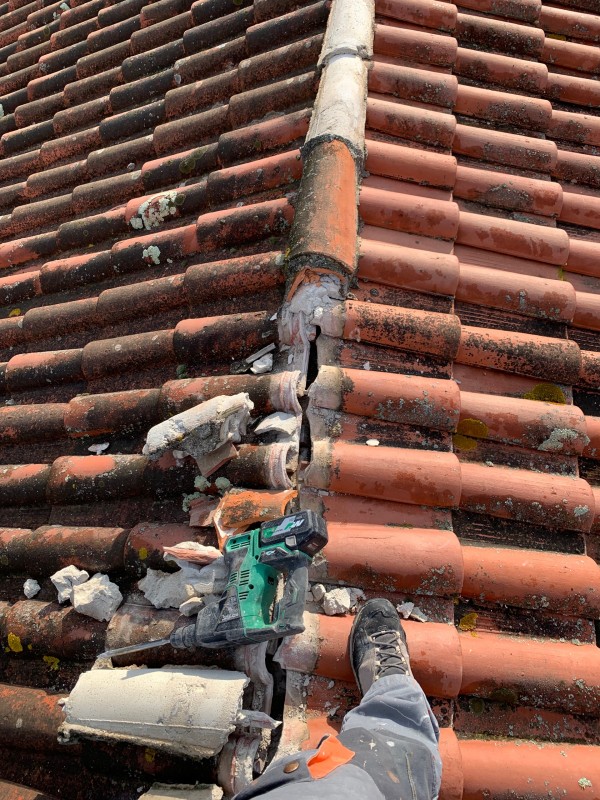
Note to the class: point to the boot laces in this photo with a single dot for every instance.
(389, 651)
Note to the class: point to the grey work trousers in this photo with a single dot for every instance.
(394, 736)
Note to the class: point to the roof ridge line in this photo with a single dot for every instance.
(324, 234)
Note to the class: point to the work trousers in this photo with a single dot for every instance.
(391, 741)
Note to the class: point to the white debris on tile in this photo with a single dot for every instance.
(212, 578)
(99, 448)
(194, 552)
(191, 607)
(405, 609)
(167, 589)
(65, 579)
(30, 588)
(279, 422)
(172, 589)
(98, 598)
(262, 365)
(418, 615)
(341, 600)
(318, 592)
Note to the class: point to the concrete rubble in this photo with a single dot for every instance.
(167, 589)
(340, 600)
(98, 598)
(405, 609)
(65, 579)
(174, 589)
(208, 432)
(409, 610)
(30, 588)
(262, 365)
(279, 422)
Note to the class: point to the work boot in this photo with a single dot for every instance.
(378, 644)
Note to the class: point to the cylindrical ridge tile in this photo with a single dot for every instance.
(419, 477)
(76, 479)
(426, 13)
(504, 71)
(587, 313)
(29, 718)
(51, 547)
(548, 427)
(525, 354)
(421, 47)
(325, 225)
(535, 672)
(15, 791)
(408, 164)
(592, 427)
(405, 329)
(534, 497)
(521, 239)
(569, 584)
(590, 369)
(404, 560)
(584, 256)
(500, 107)
(266, 392)
(506, 149)
(405, 212)
(521, 294)
(405, 399)
(33, 422)
(513, 192)
(452, 769)
(97, 414)
(434, 652)
(500, 770)
(23, 484)
(410, 84)
(41, 629)
(408, 268)
(411, 123)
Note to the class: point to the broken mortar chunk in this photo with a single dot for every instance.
(98, 598)
(341, 600)
(191, 606)
(167, 589)
(30, 588)
(207, 431)
(65, 579)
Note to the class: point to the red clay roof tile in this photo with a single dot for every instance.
(411, 124)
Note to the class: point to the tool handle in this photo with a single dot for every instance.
(290, 609)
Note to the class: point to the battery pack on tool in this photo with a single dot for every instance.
(247, 612)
